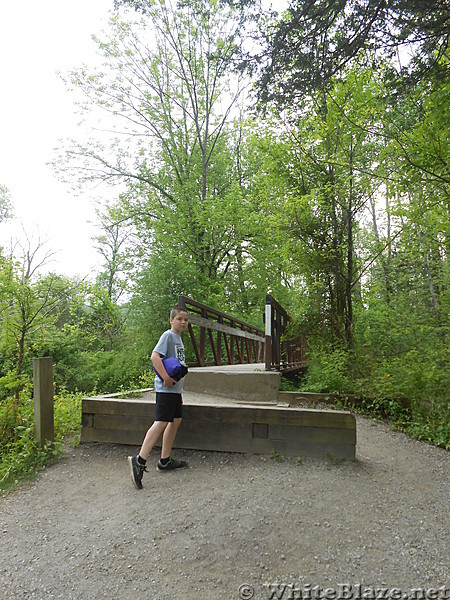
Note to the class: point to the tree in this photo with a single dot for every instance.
(29, 305)
(304, 55)
(114, 246)
(5, 204)
(422, 177)
(322, 179)
(166, 79)
(312, 42)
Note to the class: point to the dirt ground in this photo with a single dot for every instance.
(232, 526)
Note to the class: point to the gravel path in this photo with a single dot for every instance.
(231, 525)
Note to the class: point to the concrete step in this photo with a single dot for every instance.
(241, 383)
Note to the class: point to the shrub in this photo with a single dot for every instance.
(21, 456)
(328, 371)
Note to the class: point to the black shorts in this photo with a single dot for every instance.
(168, 407)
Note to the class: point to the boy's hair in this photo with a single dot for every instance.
(177, 310)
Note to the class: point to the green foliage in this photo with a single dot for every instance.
(334, 460)
(104, 372)
(9, 383)
(86, 333)
(328, 371)
(311, 43)
(287, 385)
(21, 456)
(276, 456)
(409, 390)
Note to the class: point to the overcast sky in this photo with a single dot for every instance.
(37, 39)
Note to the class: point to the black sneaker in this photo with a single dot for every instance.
(172, 465)
(136, 471)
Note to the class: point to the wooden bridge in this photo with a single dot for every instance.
(231, 399)
(232, 341)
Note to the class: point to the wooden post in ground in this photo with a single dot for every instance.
(44, 427)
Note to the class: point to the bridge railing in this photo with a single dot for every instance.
(282, 352)
(232, 341)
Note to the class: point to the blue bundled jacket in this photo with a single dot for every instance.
(173, 367)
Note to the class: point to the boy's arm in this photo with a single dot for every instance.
(159, 366)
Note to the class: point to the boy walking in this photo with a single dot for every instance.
(168, 412)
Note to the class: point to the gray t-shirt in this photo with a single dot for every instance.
(170, 344)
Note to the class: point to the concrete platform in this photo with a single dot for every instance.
(222, 423)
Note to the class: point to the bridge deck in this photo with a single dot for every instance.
(240, 368)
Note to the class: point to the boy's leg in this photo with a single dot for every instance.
(166, 462)
(136, 464)
(169, 437)
(152, 437)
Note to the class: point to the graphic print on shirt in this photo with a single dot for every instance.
(180, 354)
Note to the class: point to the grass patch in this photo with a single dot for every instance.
(21, 457)
(276, 456)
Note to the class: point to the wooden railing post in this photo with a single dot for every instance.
(44, 427)
(268, 332)
(203, 340)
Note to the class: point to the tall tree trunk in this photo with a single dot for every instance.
(350, 249)
(431, 286)
(385, 263)
(20, 358)
(337, 298)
